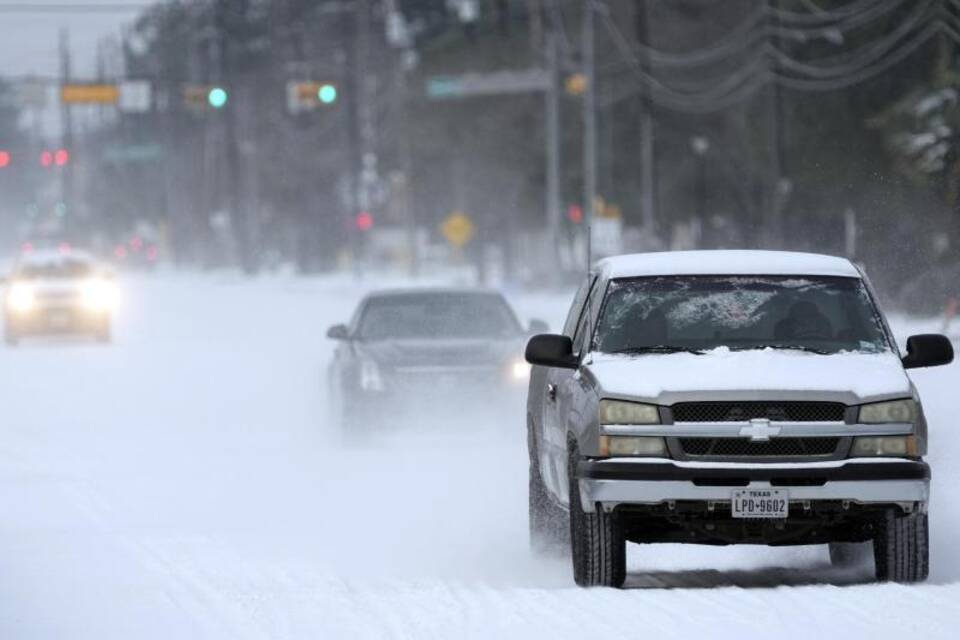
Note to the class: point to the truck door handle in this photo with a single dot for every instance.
(552, 392)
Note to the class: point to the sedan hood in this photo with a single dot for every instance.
(441, 353)
(723, 374)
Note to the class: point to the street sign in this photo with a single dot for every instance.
(485, 84)
(32, 94)
(457, 228)
(135, 96)
(121, 154)
(89, 93)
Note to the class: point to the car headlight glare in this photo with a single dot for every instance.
(886, 412)
(520, 370)
(633, 446)
(893, 446)
(370, 378)
(21, 298)
(620, 412)
(99, 295)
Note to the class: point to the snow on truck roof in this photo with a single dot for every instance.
(727, 263)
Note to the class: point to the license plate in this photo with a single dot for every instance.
(760, 503)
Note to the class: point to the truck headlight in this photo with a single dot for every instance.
(633, 446)
(885, 412)
(620, 412)
(370, 378)
(21, 298)
(892, 446)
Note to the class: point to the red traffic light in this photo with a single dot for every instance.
(4, 159)
(46, 159)
(364, 221)
(61, 157)
(575, 214)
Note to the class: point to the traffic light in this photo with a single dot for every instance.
(61, 157)
(217, 97)
(327, 94)
(4, 159)
(46, 159)
(364, 221)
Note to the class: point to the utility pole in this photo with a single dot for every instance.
(239, 218)
(648, 177)
(553, 142)
(66, 136)
(589, 126)
(777, 187)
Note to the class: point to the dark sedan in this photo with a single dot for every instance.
(429, 356)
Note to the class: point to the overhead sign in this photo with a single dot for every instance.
(308, 95)
(457, 228)
(89, 93)
(135, 96)
(481, 84)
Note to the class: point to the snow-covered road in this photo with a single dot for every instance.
(182, 483)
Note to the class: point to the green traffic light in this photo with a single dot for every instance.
(217, 97)
(327, 94)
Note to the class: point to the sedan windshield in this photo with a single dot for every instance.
(698, 313)
(438, 315)
(55, 269)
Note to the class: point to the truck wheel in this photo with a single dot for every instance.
(901, 548)
(549, 530)
(849, 554)
(597, 545)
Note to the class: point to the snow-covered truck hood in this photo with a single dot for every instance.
(722, 374)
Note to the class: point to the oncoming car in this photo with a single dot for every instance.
(428, 355)
(724, 397)
(50, 293)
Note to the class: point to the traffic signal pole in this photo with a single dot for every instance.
(553, 143)
(589, 127)
(66, 135)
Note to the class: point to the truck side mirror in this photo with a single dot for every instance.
(551, 350)
(927, 350)
(338, 332)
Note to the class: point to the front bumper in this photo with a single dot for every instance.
(617, 481)
(56, 319)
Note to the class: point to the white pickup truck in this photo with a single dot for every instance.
(724, 397)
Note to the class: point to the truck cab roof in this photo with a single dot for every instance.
(725, 262)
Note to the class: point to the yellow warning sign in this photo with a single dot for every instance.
(457, 228)
(89, 93)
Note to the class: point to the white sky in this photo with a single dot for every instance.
(29, 40)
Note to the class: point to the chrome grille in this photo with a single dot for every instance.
(744, 411)
(743, 448)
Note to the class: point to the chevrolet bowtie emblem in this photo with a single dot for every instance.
(760, 430)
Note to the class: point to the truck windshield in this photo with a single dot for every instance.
(699, 313)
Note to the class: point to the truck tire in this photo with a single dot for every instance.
(549, 530)
(598, 547)
(901, 548)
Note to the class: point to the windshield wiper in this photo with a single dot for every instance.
(789, 347)
(659, 348)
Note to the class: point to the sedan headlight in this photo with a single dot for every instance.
(370, 378)
(891, 446)
(886, 412)
(519, 370)
(620, 412)
(99, 295)
(21, 298)
(633, 446)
